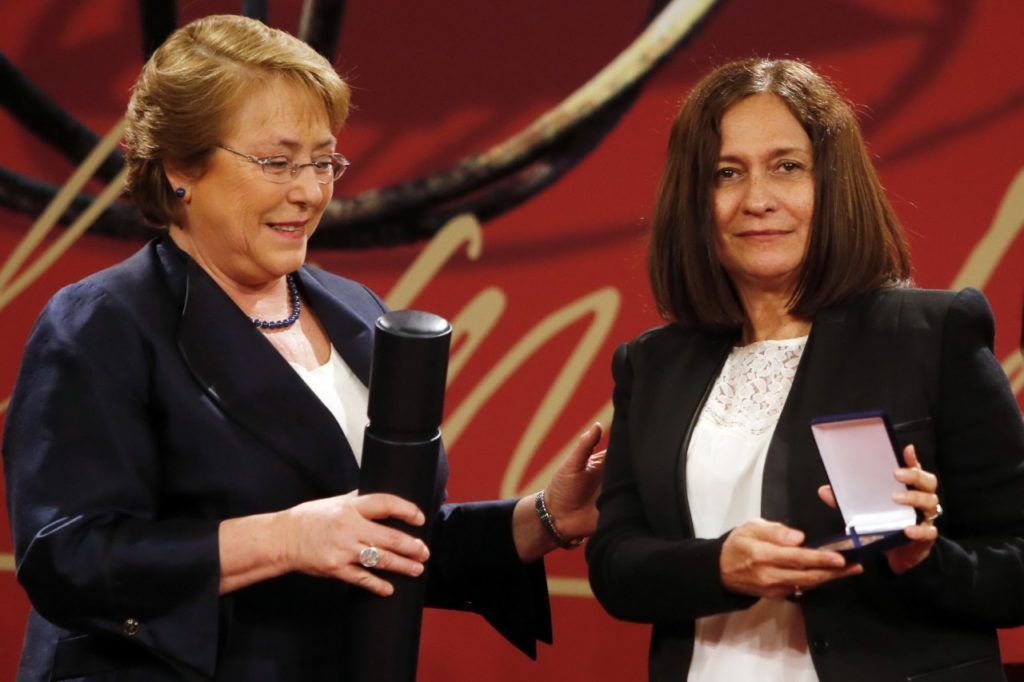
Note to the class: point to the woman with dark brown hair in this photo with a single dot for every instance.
(783, 275)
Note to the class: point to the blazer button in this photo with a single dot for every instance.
(130, 627)
(820, 645)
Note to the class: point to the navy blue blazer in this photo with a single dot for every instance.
(147, 410)
(925, 357)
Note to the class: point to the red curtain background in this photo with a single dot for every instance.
(939, 85)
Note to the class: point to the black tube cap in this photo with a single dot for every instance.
(407, 375)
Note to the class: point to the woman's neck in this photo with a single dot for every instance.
(768, 317)
(264, 300)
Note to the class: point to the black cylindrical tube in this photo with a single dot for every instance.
(400, 453)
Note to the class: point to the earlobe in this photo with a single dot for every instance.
(179, 181)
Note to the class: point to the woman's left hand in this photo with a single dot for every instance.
(921, 495)
(573, 490)
(570, 499)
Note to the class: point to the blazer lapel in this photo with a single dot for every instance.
(837, 374)
(843, 371)
(350, 332)
(682, 381)
(257, 388)
(792, 471)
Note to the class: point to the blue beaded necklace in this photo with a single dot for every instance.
(293, 293)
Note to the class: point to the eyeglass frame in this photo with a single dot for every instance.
(295, 168)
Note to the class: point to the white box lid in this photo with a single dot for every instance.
(860, 458)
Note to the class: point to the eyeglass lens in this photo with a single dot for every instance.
(326, 169)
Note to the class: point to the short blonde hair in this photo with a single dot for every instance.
(192, 85)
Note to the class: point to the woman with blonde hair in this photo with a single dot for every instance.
(182, 447)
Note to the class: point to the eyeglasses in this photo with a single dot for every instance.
(281, 169)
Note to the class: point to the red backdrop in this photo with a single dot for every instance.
(941, 90)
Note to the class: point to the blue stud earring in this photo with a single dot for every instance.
(180, 192)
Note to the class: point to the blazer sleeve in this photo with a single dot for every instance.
(474, 567)
(83, 474)
(636, 574)
(975, 571)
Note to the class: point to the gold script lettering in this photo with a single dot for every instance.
(603, 304)
(474, 322)
(472, 325)
(462, 229)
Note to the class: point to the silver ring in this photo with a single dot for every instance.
(797, 592)
(937, 514)
(369, 557)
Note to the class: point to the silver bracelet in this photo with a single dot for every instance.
(548, 521)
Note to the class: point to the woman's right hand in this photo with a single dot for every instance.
(324, 538)
(764, 559)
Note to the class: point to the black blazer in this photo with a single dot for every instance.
(925, 357)
(147, 410)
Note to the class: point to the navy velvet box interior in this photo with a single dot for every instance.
(855, 548)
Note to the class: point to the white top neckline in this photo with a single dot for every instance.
(794, 341)
(342, 393)
(724, 473)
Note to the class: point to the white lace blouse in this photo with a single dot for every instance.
(724, 469)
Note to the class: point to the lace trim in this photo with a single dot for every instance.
(751, 390)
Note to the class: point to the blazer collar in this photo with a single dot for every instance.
(830, 379)
(253, 384)
(792, 470)
(684, 385)
(350, 332)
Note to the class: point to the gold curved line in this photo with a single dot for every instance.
(569, 587)
(541, 480)
(472, 326)
(1013, 365)
(462, 229)
(989, 251)
(4, 403)
(7, 562)
(602, 306)
(674, 22)
(64, 242)
(62, 200)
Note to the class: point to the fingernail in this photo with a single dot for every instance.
(417, 569)
(794, 536)
(899, 496)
